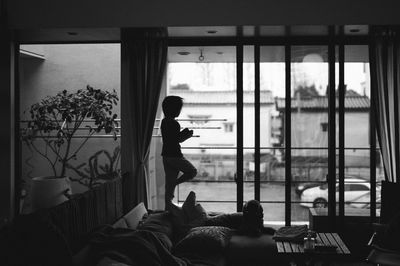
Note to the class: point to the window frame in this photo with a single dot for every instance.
(336, 38)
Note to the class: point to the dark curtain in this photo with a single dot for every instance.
(143, 64)
(384, 67)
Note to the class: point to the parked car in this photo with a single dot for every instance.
(303, 186)
(356, 193)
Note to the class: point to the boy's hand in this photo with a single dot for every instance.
(188, 133)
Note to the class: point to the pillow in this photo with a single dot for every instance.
(133, 217)
(121, 223)
(205, 239)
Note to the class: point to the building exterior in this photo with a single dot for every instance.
(212, 116)
(309, 134)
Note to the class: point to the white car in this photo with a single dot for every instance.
(356, 193)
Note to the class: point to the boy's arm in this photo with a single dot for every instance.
(185, 134)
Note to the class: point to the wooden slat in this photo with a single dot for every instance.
(323, 238)
(281, 248)
(288, 248)
(301, 248)
(341, 244)
(295, 248)
(318, 239)
(333, 242)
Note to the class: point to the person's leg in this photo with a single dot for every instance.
(189, 171)
(171, 174)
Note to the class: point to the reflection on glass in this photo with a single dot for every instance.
(309, 103)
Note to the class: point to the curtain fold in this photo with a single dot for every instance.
(384, 54)
(143, 64)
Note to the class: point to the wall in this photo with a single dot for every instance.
(127, 13)
(307, 130)
(215, 137)
(67, 67)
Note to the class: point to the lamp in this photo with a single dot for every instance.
(201, 57)
(313, 58)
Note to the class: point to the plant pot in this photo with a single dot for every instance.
(48, 191)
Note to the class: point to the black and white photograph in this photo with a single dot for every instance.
(183, 133)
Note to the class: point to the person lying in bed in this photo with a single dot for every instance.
(253, 220)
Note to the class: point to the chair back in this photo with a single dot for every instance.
(390, 201)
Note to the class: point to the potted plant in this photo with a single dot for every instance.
(56, 120)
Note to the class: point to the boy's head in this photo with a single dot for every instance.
(172, 106)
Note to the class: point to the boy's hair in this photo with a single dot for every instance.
(172, 106)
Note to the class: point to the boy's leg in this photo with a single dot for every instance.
(171, 173)
(189, 171)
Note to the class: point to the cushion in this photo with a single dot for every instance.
(205, 239)
(244, 250)
(121, 223)
(133, 217)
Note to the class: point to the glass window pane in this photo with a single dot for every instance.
(357, 128)
(272, 161)
(205, 77)
(309, 132)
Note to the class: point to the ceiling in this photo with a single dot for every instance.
(113, 34)
(263, 31)
(212, 53)
(309, 53)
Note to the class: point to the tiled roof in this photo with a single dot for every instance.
(221, 97)
(321, 103)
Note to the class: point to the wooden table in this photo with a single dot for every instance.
(295, 251)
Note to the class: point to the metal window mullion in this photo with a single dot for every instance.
(372, 158)
(257, 153)
(372, 126)
(288, 127)
(17, 139)
(331, 132)
(342, 107)
(239, 128)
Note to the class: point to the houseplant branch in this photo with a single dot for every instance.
(72, 109)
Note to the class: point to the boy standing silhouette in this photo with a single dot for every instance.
(173, 159)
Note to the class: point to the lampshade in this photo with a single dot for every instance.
(313, 58)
